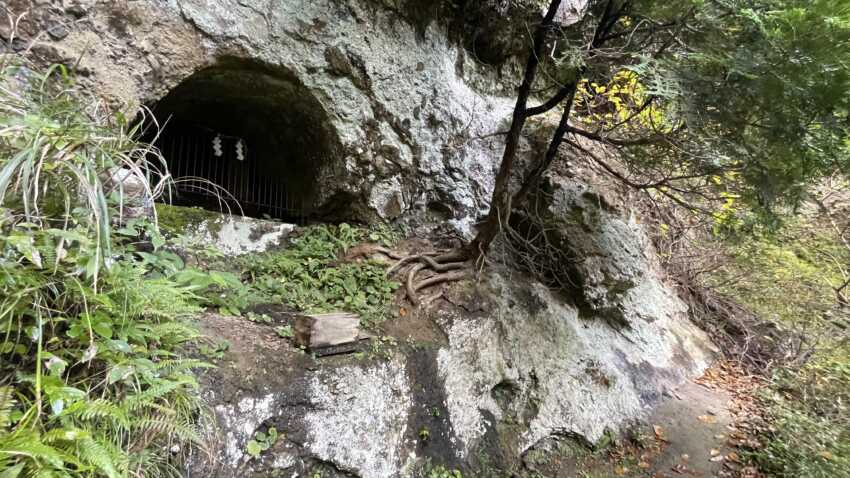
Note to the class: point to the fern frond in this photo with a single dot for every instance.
(63, 434)
(169, 427)
(153, 393)
(99, 409)
(96, 455)
(181, 365)
(29, 445)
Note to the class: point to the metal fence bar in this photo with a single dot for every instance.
(190, 153)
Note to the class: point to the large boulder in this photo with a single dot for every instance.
(598, 249)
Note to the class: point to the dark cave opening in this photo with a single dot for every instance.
(248, 129)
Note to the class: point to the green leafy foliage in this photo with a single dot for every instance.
(756, 92)
(785, 276)
(309, 276)
(91, 380)
(285, 331)
(809, 414)
(789, 278)
(429, 470)
(261, 442)
(769, 90)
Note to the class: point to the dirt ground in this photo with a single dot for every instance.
(701, 432)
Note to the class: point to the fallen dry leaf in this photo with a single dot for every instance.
(714, 452)
(825, 455)
(707, 419)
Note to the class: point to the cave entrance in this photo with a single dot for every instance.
(244, 137)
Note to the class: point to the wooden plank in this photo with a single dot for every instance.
(326, 330)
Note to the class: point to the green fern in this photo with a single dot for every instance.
(130, 394)
(96, 455)
(99, 409)
(27, 446)
(168, 426)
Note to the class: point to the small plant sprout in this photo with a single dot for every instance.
(284, 331)
(261, 442)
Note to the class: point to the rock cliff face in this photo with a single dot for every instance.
(494, 370)
(398, 104)
(408, 114)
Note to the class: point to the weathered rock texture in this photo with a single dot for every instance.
(522, 368)
(498, 368)
(407, 114)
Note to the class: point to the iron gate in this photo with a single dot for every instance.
(203, 162)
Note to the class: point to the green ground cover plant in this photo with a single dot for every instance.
(309, 275)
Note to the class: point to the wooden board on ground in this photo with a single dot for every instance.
(317, 331)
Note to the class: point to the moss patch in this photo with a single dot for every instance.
(176, 219)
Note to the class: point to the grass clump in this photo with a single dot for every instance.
(92, 383)
(309, 276)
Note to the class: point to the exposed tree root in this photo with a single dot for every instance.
(367, 250)
(410, 286)
(445, 267)
(440, 278)
(439, 266)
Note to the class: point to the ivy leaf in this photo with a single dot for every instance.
(157, 241)
(102, 328)
(120, 346)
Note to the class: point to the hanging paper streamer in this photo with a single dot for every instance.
(216, 144)
(240, 150)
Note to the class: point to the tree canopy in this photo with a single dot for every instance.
(743, 100)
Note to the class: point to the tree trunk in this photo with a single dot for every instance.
(500, 204)
(503, 200)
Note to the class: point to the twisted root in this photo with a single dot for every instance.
(444, 266)
(367, 250)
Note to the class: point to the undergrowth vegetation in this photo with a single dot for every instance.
(307, 275)
(790, 278)
(93, 302)
(92, 382)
